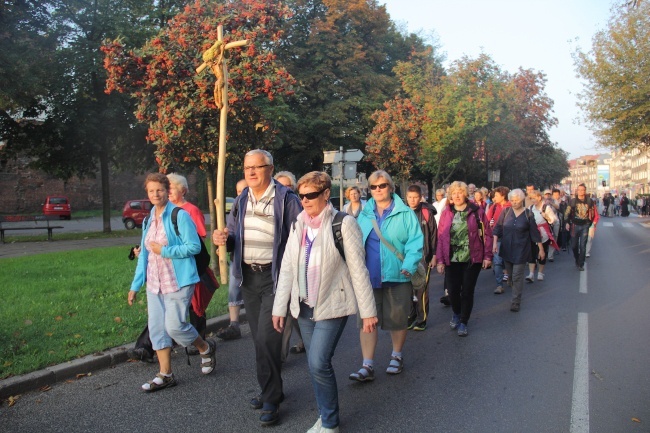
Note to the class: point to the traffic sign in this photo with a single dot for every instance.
(334, 156)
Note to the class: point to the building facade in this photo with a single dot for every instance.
(617, 172)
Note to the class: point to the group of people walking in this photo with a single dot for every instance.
(295, 257)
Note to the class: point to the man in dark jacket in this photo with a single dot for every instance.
(257, 233)
(579, 216)
(425, 214)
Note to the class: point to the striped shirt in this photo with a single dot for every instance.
(160, 271)
(259, 227)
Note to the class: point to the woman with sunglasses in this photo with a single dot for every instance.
(393, 242)
(322, 288)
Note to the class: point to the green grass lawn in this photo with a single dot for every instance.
(61, 306)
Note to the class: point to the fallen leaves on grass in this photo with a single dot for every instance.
(118, 320)
(58, 318)
(28, 322)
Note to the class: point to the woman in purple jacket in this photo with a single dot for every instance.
(464, 246)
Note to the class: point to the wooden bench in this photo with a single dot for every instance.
(36, 219)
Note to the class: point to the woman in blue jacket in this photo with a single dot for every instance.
(391, 262)
(167, 266)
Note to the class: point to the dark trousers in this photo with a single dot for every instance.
(460, 279)
(290, 326)
(420, 308)
(579, 243)
(257, 291)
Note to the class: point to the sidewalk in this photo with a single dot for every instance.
(88, 364)
(21, 249)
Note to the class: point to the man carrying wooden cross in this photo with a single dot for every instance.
(258, 228)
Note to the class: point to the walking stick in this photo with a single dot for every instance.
(215, 58)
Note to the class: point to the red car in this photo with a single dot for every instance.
(57, 205)
(134, 212)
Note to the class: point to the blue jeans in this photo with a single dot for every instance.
(320, 340)
(497, 264)
(579, 243)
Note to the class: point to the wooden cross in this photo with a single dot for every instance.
(215, 58)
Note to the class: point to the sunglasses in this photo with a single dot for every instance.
(380, 186)
(311, 195)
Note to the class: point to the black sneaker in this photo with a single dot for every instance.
(411, 322)
(229, 333)
(139, 354)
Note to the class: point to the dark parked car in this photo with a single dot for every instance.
(57, 205)
(134, 212)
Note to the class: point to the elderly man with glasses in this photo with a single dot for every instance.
(257, 232)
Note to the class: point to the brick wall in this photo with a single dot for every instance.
(24, 189)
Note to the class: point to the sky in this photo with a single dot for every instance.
(532, 34)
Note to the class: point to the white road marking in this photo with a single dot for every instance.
(607, 224)
(628, 225)
(583, 280)
(580, 399)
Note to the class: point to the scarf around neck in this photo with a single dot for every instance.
(311, 256)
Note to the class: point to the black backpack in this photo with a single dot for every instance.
(336, 231)
(202, 259)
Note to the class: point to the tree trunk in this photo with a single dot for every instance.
(432, 192)
(106, 189)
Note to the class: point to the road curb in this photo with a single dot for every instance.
(88, 364)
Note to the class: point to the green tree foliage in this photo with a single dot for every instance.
(73, 127)
(342, 53)
(471, 118)
(616, 71)
(27, 46)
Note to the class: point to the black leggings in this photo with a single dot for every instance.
(460, 279)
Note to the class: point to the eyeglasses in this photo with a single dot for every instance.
(311, 195)
(255, 167)
(380, 186)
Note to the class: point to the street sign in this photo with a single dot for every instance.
(334, 156)
(494, 175)
(349, 170)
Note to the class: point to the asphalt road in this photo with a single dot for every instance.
(575, 359)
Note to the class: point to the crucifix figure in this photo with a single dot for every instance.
(215, 58)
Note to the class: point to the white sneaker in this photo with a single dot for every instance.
(317, 427)
(530, 278)
(540, 276)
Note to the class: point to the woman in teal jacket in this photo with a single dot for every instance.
(390, 275)
(166, 264)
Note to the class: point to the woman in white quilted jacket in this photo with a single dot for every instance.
(322, 286)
